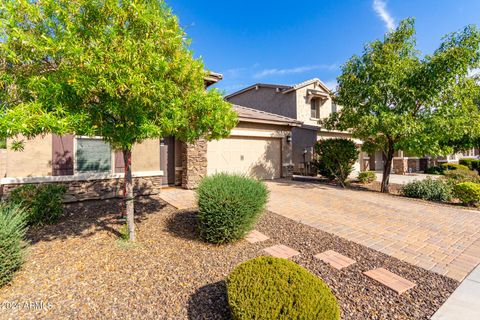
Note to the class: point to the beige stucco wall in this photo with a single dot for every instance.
(267, 99)
(35, 159)
(146, 156)
(304, 107)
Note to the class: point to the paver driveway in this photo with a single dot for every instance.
(439, 238)
(443, 239)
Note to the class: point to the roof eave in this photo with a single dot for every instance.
(283, 123)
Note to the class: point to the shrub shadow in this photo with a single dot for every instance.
(209, 302)
(84, 219)
(184, 224)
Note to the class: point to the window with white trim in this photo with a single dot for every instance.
(315, 109)
(92, 155)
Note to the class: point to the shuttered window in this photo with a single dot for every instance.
(93, 155)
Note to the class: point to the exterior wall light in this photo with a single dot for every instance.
(289, 138)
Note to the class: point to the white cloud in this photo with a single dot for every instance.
(380, 7)
(296, 70)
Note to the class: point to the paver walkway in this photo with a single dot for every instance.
(179, 198)
(439, 238)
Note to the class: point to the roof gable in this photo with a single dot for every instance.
(282, 88)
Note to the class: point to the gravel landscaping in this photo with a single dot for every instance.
(79, 269)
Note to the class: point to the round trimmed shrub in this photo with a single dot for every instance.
(13, 222)
(428, 189)
(366, 177)
(272, 288)
(229, 206)
(467, 192)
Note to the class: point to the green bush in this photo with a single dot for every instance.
(229, 206)
(435, 170)
(272, 288)
(428, 189)
(336, 158)
(466, 162)
(454, 177)
(472, 164)
(366, 177)
(13, 220)
(44, 203)
(476, 165)
(454, 166)
(467, 192)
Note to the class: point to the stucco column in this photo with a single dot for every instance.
(194, 162)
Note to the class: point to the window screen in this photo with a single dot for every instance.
(93, 155)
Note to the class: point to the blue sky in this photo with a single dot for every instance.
(287, 42)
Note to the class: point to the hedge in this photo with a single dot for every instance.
(272, 288)
(454, 166)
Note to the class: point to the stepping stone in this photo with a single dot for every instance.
(335, 259)
(281, 251)
(256, 236)
(390, 280)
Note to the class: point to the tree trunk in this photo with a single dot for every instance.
(128, 193)
(387, 168)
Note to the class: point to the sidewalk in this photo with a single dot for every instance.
(464, 303)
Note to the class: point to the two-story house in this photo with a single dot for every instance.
(307, 102)
(259, 146)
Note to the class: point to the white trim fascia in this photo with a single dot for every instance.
(78, 177)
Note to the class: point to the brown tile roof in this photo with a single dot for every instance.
(253, 115)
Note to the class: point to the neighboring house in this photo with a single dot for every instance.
(308, 102)
(259, 146)
(405, 163)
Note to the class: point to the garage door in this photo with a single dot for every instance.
(257, 157)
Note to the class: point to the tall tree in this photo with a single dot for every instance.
(394, 99)
(122, 70)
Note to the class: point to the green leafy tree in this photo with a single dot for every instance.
(394, 99)
(336, 158)
(122, 70)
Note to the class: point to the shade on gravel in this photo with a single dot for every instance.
(79, 269)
